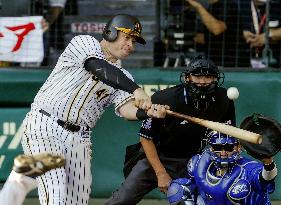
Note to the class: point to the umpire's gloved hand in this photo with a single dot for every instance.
(179, 193)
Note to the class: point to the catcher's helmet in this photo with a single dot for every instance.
(127, 24)
(219, 141)
(218, 138)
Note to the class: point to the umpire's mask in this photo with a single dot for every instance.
(201, 95)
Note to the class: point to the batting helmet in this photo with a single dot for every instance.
(127, 24)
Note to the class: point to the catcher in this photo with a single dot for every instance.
(221, 176)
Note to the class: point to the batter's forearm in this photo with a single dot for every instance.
(128, 110)
(110, 74)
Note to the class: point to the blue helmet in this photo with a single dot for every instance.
(219, 141)
(218, 138)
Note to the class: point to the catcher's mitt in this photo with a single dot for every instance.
(270, 130)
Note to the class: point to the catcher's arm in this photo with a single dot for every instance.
(269, 171)
(270, 129)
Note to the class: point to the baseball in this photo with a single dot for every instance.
(232, 93)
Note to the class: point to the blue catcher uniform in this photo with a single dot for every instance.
(241, 185)
(218, 177)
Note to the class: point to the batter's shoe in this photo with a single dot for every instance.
(34, 166)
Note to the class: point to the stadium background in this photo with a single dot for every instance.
(259, 89)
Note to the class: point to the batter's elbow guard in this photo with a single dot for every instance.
(178, 192)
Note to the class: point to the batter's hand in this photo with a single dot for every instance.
(142, 100)
(158, 111)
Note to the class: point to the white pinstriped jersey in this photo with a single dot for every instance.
(73, 94)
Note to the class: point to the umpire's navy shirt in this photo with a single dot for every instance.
(179, 138)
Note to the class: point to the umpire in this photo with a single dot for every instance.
(169, 143)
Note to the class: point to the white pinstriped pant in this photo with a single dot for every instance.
(70, 185)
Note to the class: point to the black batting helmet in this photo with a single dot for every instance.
(127, 24)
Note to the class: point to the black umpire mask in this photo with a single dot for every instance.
(201, 95)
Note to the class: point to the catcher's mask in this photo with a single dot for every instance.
(201, 66)
(218, 142)
(125, 23)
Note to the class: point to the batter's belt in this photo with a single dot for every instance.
(66, 125)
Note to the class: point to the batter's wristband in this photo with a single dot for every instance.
(141, 114)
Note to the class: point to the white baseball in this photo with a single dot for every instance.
(232, 93)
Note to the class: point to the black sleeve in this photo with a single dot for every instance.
(147, 131)
(150, 129)
(110, 74)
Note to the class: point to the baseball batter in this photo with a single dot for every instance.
(86, 79)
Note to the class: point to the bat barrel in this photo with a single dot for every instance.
(221, 127)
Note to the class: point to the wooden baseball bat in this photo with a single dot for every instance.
(221, 127)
